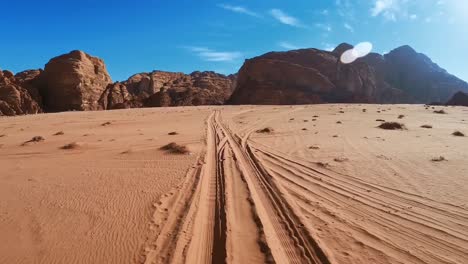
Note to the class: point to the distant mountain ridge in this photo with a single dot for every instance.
(79, 81)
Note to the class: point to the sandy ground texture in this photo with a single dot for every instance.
(262, 184)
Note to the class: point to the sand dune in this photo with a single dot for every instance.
(325, 185)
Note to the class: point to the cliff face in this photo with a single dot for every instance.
(316, 76)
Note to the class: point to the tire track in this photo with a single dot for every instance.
(284, 231)
(228, 210)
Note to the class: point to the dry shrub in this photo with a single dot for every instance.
(438, 159)
(322, 164)
(2, 135)
(34, 139)
(172, 133)
(426, 126)
(380, 120)
(392, 126)
(338, 122)
(175, 148)
(441, 111)
(340, 159)
(401, 116)
(458, 134)
(364, 110)
(59, 133)
(106, 124)
(304, 129)
(265, 130)
(73, 145)
(314, 147)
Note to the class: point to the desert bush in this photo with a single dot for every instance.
(175, 148)
(458, 134)
(265, 130)
(392, 126)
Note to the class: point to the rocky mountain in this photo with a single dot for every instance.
(315, 76)
(420, 79)
(79, 81)
(460, 99)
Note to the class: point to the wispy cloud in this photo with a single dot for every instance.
(328, 46)
(208, 54)
(239, 9)
(349, 27)
(284, 18)
(288, 46)
(325, 27)
(389, 9)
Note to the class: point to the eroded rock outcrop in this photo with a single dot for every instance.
(14, 99)
(74, 81)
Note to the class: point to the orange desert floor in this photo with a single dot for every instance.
(261, 184)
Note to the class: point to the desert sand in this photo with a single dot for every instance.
(323, 184)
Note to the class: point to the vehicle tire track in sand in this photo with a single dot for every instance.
(228, 211)
(425, 221)
(285, 235)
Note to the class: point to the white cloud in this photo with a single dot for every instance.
(208, 54)
(239, 9)
(325, 27)
(349, 27)
(288, 46)
(284, 18)
(413, 16)
(389, 9)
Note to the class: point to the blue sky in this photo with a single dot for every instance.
(188, 35)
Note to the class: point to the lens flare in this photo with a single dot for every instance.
(360, 50)
(349, 56)
(363, 48)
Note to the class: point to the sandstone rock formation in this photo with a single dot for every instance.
(460, 99)
(74, 81)
(315, 76)
(14, 99)
(160, 88)
(78, 81)
(197, 88)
